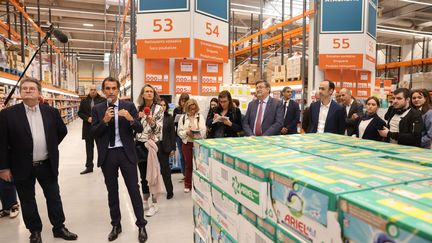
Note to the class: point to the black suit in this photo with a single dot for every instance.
(335, 122)
(219, 129)
(167, 145)
(357, 108)
(371, 131)
(292, 116)
(16, 154)
(84, 113)
(410, 128)
(124, 158)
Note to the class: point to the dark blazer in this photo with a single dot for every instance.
(235, 117)
(272, 121)
(335, 122)
(84, 113)
(410, 129)
(16, 142)
(292, 117)
(306, 119)
(101, 133)
(351, 124)
(168, 134)
(371, 131)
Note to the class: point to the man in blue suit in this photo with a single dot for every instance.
(264, 115)
(291, 112)
(326, 114)
(113, 125)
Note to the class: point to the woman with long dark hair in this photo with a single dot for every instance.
(226, 120)
(371, 123)
(167, 147)
(421, 101)
(178, 112)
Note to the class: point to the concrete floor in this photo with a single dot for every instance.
(85, 203)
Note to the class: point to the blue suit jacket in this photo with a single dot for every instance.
(272, 121)
(126, 129)
(335, 122)
(292, 117)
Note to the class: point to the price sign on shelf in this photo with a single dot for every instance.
(156, 73)
(209, 89)
(183, 89)
(211, 77)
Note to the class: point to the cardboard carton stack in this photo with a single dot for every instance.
(246, 74)
(270, 67)
(279, 74)
(422, 80)
(310, 188)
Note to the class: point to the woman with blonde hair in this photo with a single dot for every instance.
(191, 126)
(147, 143)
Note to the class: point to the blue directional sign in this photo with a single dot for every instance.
(213, 8)
(154, 6)
(372, 18)
(342, 16)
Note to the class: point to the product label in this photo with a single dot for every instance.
(248, 192)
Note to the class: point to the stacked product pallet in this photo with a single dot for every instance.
(310, 188)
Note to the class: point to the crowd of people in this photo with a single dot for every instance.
(140, 140)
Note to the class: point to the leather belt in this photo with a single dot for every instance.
(40, 162)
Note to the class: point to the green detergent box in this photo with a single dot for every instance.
(225, 210)
(201, 191)
(380, 216)
(250, 234)
(420, 191)
(219, 234)
(202, 222)
(249, 215)
(305, 196)
(226, 155)
(424, 158)
(284, 235)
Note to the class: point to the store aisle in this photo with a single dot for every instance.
(86, 205)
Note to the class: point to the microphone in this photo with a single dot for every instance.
(147, 111)
(60, 36)
(110, 102)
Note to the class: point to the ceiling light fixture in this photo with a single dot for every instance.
(88, 25)
(417, 2)
(405, 33)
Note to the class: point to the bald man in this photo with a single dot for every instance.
(353, 109)
(86, 106)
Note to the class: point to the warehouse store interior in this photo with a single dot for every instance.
(231, 121)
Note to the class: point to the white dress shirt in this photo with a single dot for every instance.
(347, 108)
(286, 103)
(324, 109)
(264, 105)
(118, 142)
(363, 125)
(34, 117)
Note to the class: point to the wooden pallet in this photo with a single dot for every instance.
(293, 79)
(279, 80)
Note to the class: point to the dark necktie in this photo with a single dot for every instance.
(112, 135)
(258, 131)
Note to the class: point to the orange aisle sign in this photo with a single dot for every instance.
(157, 74)
(211, 30)
(186, 76)
(211, 77)
(163, 29)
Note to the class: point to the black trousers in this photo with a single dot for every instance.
(89, 151)
(26, 193)
(115, 159)
(164, 164)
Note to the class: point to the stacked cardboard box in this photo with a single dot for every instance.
(300, 188)
(246, 74)
(279, 74)
(422, 80)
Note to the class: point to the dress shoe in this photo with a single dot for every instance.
(142, 235)
(170, 195)
(35, 237)
(65, 234)
(116, 230)
(86, 171)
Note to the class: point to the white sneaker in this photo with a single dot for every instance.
(146, 205)
(14, 211)
(152, 211)
(187, 190)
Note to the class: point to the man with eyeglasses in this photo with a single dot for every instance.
(264, 116)
(30, 136)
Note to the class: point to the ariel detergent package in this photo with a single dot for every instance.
(420, 191)
(305, 196)
(225, 211)
(284, 235)
(202, 223)
(379, 216)
(250, 234)
(219, 234)
(423, 158)
(201, 191)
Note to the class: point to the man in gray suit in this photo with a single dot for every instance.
(264, 116)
